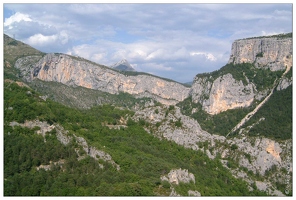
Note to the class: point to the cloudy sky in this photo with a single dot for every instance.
(175, 41)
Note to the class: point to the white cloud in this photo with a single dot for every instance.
(209, 56)
(159, 53)
(40, 40)
(156, 67)
(17, 17)
(63, 37)
(97, 57)
(171, 40)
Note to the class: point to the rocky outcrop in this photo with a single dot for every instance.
(63, 136)
(79, 72)
(272, 52)
(222, 94)
(284, 83)
(256, 154)
(194, 193)
(51, 164)
(94, 153)
(176, 176)
(44, 127)
(266, 187)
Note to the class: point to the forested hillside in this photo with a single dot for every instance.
(277, 112)
(142, 158)
(72, 140)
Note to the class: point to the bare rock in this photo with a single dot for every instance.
(274, 53)
(73, 71)
(284, 83)
(194, 193)
(221, 94)
(176, 176)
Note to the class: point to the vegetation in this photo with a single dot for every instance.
(277, 112)
(278, 36)
(223, 122)
(143, 158)
(80, 97)
(277, 123)
(261, 77)
(134, 73)
(14, 49)
(220, 123)
(259, 54)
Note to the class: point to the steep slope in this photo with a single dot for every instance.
(54, 150)
(249, 103)
(222, 101)
(253, 67)
(13, 50)
(79, 72)
(258, 160)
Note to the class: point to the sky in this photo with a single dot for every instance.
(175, 41)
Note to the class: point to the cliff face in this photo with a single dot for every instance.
(222, 94)
(215, 94)
(77, 72)
(275, 53)
(225, 92)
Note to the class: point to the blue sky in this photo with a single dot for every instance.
(175, 41)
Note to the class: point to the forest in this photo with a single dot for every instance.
(143, 158)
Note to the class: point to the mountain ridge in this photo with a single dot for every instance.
(198, 121)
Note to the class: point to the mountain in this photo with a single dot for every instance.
(74, 71)
(123, 65)
(237, 84)
(132, 133)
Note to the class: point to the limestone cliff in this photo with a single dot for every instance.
(79, 72)
(220, 93)
(272, 52)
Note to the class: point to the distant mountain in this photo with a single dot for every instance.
(123, 65)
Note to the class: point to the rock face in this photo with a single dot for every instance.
(78, 72)
(284, 83)
(224, 92)
(194, 193)
(275, 52)
(178, 175)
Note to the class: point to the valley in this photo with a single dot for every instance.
(73, 127)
